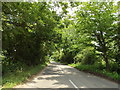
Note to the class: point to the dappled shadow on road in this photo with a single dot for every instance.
(55, 76)
(59, 76)
(50, 71)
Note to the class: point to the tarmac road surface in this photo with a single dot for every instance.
(57, 75)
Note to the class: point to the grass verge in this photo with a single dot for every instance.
(114, 76)
(12, 79)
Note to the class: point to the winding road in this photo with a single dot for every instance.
(57, 75)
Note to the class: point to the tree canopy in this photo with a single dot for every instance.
(34, 32)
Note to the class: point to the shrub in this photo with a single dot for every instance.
(100, 66)
(68, 57)
(114, 67)
(78, 58)
(86, 56)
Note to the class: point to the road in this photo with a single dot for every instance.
(62, 76)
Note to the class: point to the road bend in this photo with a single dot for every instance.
(56, 75)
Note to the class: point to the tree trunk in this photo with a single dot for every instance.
(106, 61)
(104, 49)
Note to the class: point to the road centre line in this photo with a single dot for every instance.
(69, 79)
(73, 84)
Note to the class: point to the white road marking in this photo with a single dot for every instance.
(73, 84)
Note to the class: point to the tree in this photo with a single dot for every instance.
(97, 22)
(28, 30)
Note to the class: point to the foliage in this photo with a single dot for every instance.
(27, 33)
(68, 57)
(98, 22)
(95, 69)
(114, 67)
(34, 32)
(14, 78)
(95, 25)
(86, 56)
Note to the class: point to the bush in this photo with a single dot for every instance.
(12, 79)
(11, 67)
(95, 69)
(114, 67)
(78, 58)
(86, 56)
(100, 66)
(68, 57)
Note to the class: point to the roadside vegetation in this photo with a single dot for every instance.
(97, 70)
(12, 79)
(90, 40)
(33, 33)
(26, 37)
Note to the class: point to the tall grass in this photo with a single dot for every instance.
(12, 79)
(96, 69)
